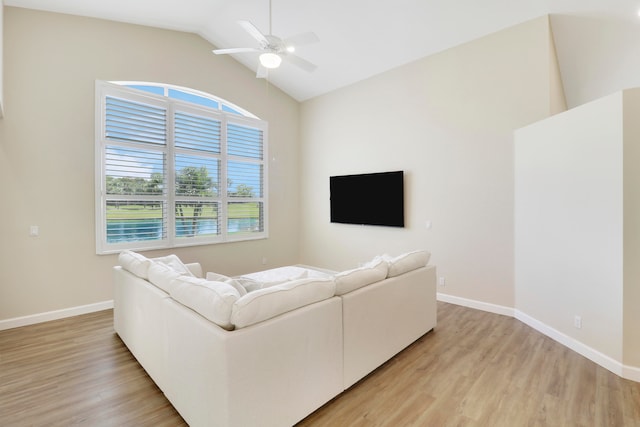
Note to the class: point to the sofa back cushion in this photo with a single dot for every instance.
(407, 262)
(263, 304)
(212, 300)
(139, 265)
(172, 261)
(135, 263)
(351, 280)
(162, 276)
(228, 280)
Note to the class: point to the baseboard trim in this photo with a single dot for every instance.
(624, 371)
(575, 345)
(17, 322)
(479, 305)
(631, 373)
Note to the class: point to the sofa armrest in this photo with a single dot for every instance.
(138, 320)
(196, 269)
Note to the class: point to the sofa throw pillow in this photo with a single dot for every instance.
(407, 262)
(270, 302)
(215, 277)
(212, 300)
(174, 263)
(351, 280)
(162, 276)
(135, 263)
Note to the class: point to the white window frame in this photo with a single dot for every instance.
(120, 90)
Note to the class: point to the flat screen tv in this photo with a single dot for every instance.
(368, 199)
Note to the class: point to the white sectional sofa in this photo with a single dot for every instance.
(268, 348)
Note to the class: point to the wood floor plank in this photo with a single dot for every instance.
(482, 369)
(476, 369)
(76, 371)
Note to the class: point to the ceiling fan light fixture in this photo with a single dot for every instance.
(270, 60)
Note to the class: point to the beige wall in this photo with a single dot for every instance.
(631, 291)
(47, 152)
(1, 57)
(446, 120)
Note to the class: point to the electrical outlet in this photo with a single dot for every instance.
(441, 281)
(577, 322)
(264, 260)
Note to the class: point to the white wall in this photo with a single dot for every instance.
(447, 121)
(47, 152)
(569, 223)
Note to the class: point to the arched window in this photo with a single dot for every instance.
(176, 167)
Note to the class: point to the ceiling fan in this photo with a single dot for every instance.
(274, 49)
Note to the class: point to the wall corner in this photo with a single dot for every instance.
(631, 227)
(557, 99)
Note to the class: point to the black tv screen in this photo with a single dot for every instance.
(368, 199)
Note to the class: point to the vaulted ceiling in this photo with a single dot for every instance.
(597, 41)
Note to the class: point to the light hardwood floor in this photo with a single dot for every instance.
(474, 369)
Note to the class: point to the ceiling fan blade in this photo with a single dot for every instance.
(262, 72)
(302, 63)
(301, 39)
(254, 32)
(235, 50)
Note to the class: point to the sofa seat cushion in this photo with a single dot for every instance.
(407, 262)
(351, 280)
(212, 300)
(275, 276)
(263, 304)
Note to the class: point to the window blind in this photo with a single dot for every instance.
(132, 121)
(245, 178)
(172, 173)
